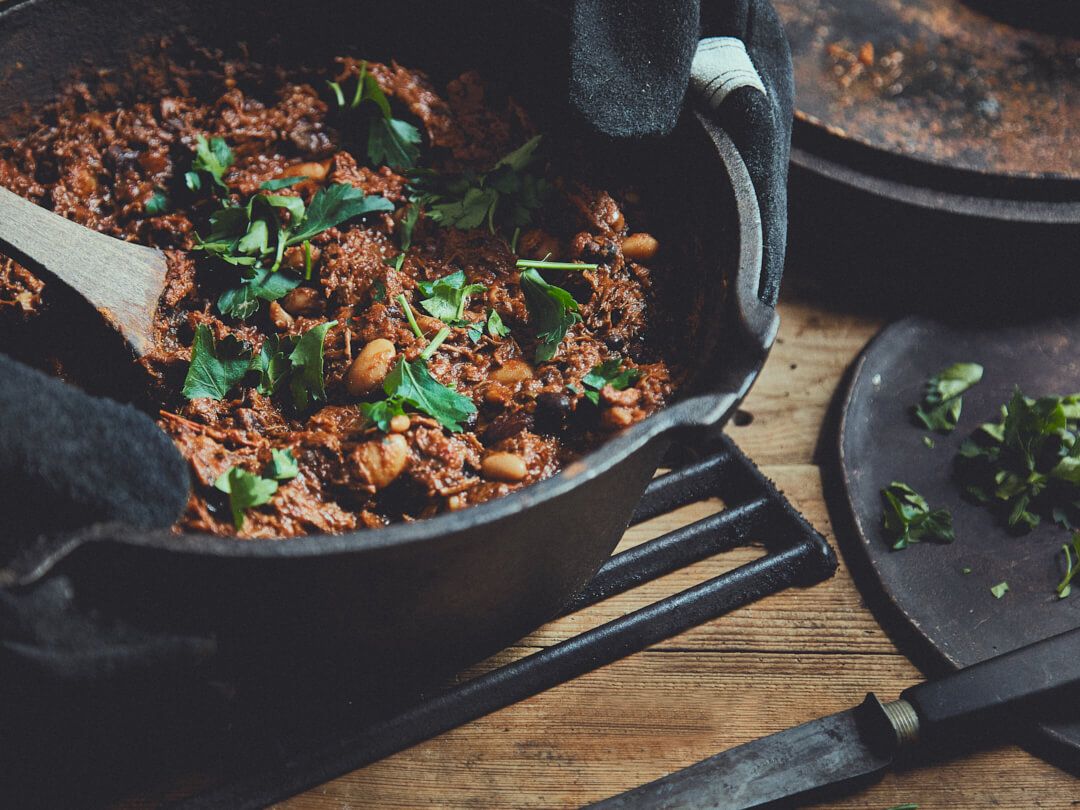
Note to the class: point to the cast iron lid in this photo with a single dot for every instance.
(938, 95)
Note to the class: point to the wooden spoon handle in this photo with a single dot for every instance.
(122, 280)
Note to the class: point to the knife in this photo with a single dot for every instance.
(856, 745)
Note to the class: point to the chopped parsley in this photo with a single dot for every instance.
(544, 264)
(281, 182)
(390, 141)
(942, 400)
(212, 159)
(263, 284)
(1027, 465)
(929, 442)
(296, 361)
(255, 236)
(408, 225)
(610, 372)
(1064, 587)
(283, 464)
(247, 490)
(157, 204)
(495, 326)
(448, 296)
(552, 311)
(908, 518)
(506, 195)
(999, 590)
(215, 366)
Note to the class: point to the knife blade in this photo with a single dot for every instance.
(859, 744)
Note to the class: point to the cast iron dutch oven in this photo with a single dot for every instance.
(431, 596)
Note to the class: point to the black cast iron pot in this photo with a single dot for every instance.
(408, 602)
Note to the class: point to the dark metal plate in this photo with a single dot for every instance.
(953, 615)
(941, 82)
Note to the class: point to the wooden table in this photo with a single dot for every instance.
(784, 660)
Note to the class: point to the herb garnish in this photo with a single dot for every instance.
(408, 225)
(544, 264)
(410, 383)
(448, 296)
(507, 193)
(1064, 587)
(215, 366)
(552, 311)
(999, 590)
(212, 158)
(157, 204)
(255, 237)
(942, 400)
(908, 518)
(610, 372)
(390, 141)
(297, 361)
(264, 284)
(246, 490)
(1028, 464)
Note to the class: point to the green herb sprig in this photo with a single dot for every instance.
(610, 372)
(942, 400)
(909, 519)
(390, 141)
(247, 490)
(448, 296)
(212, 159)
(1027, 465)
(506, 195)
(552, 311)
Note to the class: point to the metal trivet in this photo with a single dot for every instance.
(797, 556)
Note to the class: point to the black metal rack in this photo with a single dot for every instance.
(797, 555)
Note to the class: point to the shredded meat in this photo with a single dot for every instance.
(100, 154)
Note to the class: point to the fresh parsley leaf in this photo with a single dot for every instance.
(610, 372)
(297, 361)
(475, 331)
(215, 367)
(411, 383)
(1064, 587)
(334, 205)
(391, 141)
(255, 234)
(448, 296)
(552, 311)
(999, 590)
(470, 200)
(279, 183)
(245, 490)
(157, 204)
(941, 403)
(213, 158)
(283, 465)
(908, 518)
(495, 326)
(265, 284)
(380, 413)
(408, 225)
(1027, 465)
(929, 442)
(306, 374)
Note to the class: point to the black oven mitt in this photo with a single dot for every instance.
(68, 459)
(634, 62)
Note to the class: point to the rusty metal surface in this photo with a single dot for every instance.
(938, 81)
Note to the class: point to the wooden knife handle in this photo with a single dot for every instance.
(1026, 678)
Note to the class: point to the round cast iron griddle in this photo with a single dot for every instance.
(953, 615)
(939, 81)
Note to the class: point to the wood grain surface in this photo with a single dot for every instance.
(787, 659)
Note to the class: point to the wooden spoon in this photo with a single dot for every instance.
(121, 280)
